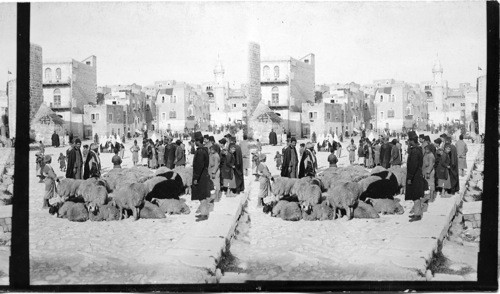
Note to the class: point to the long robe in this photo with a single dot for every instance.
(462, 154)
(201, 190)
(416, 189)
(92, 166)
(171, 155)
(307, 165)
(287, 158)
(245, 152)
(74, 157)
(273, 139)
(238, 170)
(454, 180)
(55, 140)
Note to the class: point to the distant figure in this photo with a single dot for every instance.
(245, 152)
(290, 160)
(92, 167)
(50, 180)
(96, 138)
(462, 155)
(415, 185)
(75, 161)
(144, 152)
(42, 147)
(352, 152)
(264, 180)
(135, 153)
(116, 160)
(180, 154)
(55, 139)
(278, 158)
(62, 162)
(332, 159)
(273, 139)
(259, 146)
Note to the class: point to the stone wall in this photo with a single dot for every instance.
(253, 76)
(36, 74)
(84, 83)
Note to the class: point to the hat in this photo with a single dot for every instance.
(438, 141)
(94, 146)
(223, 141)
(211, 138)
(78, 141)
(293, 139)
(47, 158)
(198, 136)
(421, 136)
(178, 142)
(412, 134)
(206, 137)
(262, 157)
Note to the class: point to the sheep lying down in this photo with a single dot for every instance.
(289, 211)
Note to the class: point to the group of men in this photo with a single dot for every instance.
(291, 166)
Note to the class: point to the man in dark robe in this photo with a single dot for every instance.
(385, 153)
(75, 162)
(55, 139)
(273, 139)
(238, 167)
(92, 168)
(96, 138)
(415, 185)
(290, 160)
(171, 154)
(454, 177)
(202, 184)
(166, 154)
(71, 137)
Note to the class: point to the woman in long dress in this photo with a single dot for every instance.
(135, 152)
(442, 173)
(227, 172)
(161, 154)
(368, 154)
(352, 152)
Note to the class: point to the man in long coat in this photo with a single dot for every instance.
(75, 162)
(290, 160)
(273, 139)
(238, 167)
(308, 162)
(55, 139)
(202, 184)
(385, 153)
(92, 168)
(415, 185)
(454, 179)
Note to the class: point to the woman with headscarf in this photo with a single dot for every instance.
(451, 150)
(442, 173)
(368, 154)
(227, 171)
(161, 153)
(308, 162)
(92, 168)
(152, 153)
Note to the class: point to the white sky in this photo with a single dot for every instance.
(361, 41)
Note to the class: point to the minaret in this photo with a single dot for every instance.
(219, 87)
(437, 88)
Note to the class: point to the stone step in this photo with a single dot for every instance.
(472, 207)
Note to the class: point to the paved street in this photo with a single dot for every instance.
(388, 248)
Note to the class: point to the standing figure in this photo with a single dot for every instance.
(75, 162)
(361, 152)
(202, 184)
(273, 139)
(55, 139)
(161, 153)
(278, 159)
(415, 185)
(144, 152)
(395, 154)
(308, 162)
(368, 154)
(227, 172)
(290, 160)
(214, 170)
(62, 162)
(442, 172)
(152, 153)
(245, 152)
(428, 171)
(352, 152)
(50, 180)
(92, 167)
(462, 155)
(180, 154)
(116, 160)
(135, 153)
(376, 153)
(451, 150)
(264, 180)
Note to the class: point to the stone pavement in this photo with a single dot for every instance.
(172, 250)
(388, 248)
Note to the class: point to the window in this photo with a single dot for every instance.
(57, 97)
(58, 74)
(234, 105)
(462, 104)
(390, 114)
(328, 115)
(88, 62)
(381, 114)
(409, 110)
(163, 99)
(266, 72)
(392, 98)
(276, 72)
(92, 116)
(163, 116)
(275, 95)
(381, 98)
(313, 115)
(173, 99)
(172, 114)
(244, 105)
(110, 116)
(48, 74)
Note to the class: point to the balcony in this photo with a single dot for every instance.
(56, 82)
(274, 81)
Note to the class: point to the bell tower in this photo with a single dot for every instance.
(437, 88)
(219, 87)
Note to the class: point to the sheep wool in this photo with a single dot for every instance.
(364, 210)
(130, 197)
(173, 206)
(344, 196)
(386, 206)
(149, 210)
(75, 212)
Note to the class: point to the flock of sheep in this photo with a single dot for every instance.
(136, 191)
(351, 190)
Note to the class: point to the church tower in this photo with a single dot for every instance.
(438, 89)
(219, 87)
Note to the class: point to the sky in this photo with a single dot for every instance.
(353, 41)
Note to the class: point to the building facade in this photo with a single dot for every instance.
(67, 87)
(103, 120)
(481, 104)
(322, 118)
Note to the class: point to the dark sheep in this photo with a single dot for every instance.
(382, 189)
(150, 210)
(169, 189)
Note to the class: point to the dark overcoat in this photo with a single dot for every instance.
(454, 178)
(415, 190)
(201, 190)
(55, 140)
(287, 157)
(238, 169)
(72, 154)
(273, 139)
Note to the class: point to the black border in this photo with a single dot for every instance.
(487, 269)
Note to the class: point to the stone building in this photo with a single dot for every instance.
(322, 118)
(68, 85)
(352, 100)
(481, 103)
(45, 123)
(103, 120)
(181, 107)
(4, 123)
(262, 121)
(36, 92)
(287, 83)
(134, 107)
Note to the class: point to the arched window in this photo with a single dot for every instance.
(57, 97)
(48, 74)
(266, 72)
(190, 111)
(58, 74)
(275, 95)
(276, 72)
(163, 99)
(381, 98)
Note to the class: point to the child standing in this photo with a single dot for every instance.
(214, 170)
(62, 162)
(278, 159)
(264, 180)
(50, 180)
